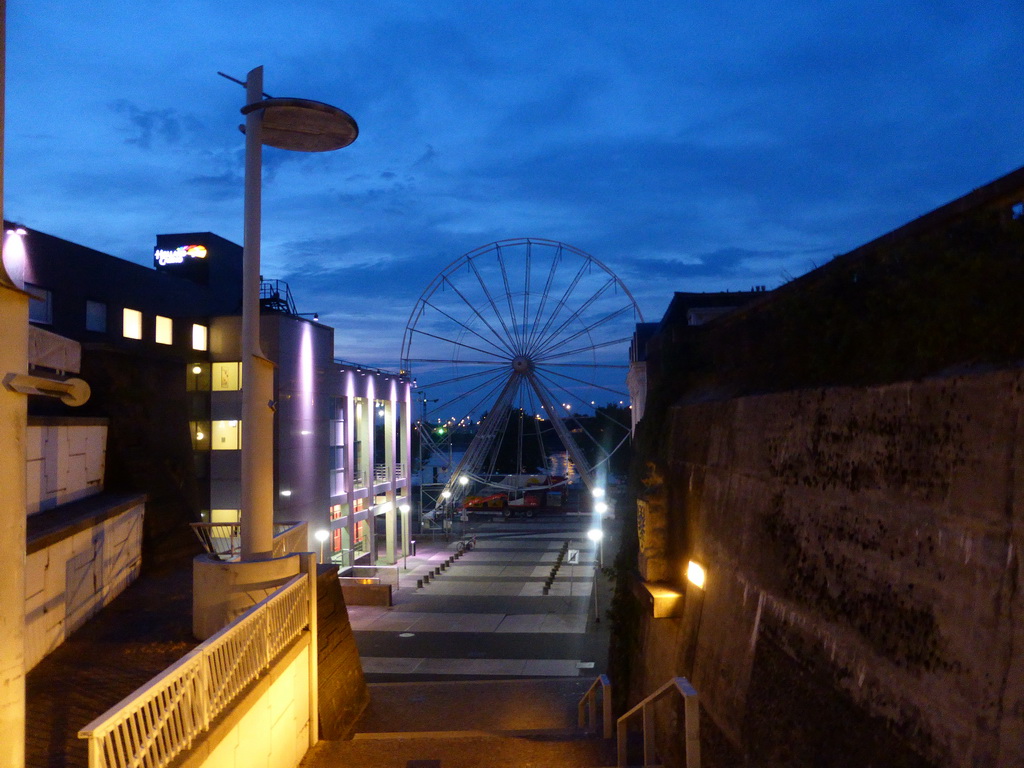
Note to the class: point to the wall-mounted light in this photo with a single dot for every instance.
(200, 436)
(196, 369)
(286, 493)
(695, 574)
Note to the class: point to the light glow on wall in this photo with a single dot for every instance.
(15, 256)
(695, 574)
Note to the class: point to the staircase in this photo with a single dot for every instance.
(475, 724)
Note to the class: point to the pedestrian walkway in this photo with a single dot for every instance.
(486, 613)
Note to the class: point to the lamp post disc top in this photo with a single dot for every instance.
(302, 125)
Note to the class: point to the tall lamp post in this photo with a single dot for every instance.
(299, 125)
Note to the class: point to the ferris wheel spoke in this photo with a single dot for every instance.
(553, 336)
(449, 361)
(581, 364)
(456, 343)
(476, 333)
(620, 393)
(509, 336)
(544, 296)
(597, 345)
(483, 320)
(560, 304)
(508, 298)
(567, 440)
(526, 291)
(585, 331)
(465, 377)
(488, 386)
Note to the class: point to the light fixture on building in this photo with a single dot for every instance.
(200, 436)
(196, 369)
(695, 574)
(286, 493)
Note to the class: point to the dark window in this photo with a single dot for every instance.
(96, 316)
(40, 305)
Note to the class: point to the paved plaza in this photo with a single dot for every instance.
(486, 614)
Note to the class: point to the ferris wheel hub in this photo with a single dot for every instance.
(522, 364)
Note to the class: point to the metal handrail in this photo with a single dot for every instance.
(691, 723)
(588, 706)
(153, 725)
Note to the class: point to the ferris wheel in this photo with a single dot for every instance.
(513, 346)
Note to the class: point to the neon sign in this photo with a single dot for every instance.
(178, 255)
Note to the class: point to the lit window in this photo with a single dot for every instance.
(227, 377)
(336, 541)
(200, 435)
(40, 304)
(131, 324)
(335, 511)
(164, 330)
(225, 435)
(225, 515)
(96, 316)
(199, 337)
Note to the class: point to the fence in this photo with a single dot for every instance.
(224, 540)
(164, 717)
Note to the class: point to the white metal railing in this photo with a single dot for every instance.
(380, 473)
(224, 540)
(399, 471)
(691, 724)
(588, 706)
(161, 719)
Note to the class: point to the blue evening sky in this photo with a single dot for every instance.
(689, 146)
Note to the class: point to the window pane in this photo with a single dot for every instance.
(40, 305)
(132, 324)
(227, 377)
(96, 316)
(164, 330)
(199, 337)
(225, 435)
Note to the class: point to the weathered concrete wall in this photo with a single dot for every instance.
(862, 551)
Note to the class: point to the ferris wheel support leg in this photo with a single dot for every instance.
(570, 445)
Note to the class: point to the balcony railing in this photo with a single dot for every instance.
(164, 717)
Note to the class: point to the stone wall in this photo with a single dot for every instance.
(862, 555)
(343, 694)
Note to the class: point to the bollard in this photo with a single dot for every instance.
(546, 589)
(437, 571)
(419, 583)
(426, 579)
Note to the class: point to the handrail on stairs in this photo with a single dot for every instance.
(691, 723)
(588, 706)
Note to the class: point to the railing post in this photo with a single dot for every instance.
(647, 715)
(606, 703)
(309, 567)
(691, 722)
(621, 743)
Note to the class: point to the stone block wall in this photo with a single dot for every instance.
(862, 548)
(343, 693)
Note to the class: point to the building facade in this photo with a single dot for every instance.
(165, 345)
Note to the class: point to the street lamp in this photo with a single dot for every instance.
(322, 536)
(596, 535)
(299, 125)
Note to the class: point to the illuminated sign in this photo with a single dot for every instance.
(178, 255)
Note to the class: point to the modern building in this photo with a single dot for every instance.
(162, 348)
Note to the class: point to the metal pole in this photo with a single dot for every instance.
(257, 426)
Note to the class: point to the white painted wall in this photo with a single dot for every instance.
(269, 727)
(72, 579)
(63, 463)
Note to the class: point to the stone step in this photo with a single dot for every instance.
(463, 750)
